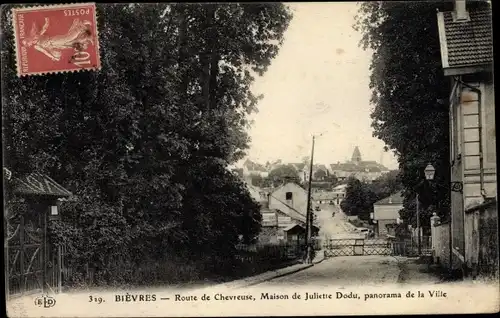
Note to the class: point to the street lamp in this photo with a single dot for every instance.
(455, 186)
(429, 172)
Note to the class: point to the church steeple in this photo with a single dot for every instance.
(356, 155)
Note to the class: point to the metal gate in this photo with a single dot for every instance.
(360, 246)
(24, 249)
(378, 246)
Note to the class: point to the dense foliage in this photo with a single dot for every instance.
(282, 174)
(409, 95)
(144, 143)
(360, 196)
(319, 174)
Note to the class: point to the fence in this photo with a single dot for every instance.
(248, 260)
(269, 252)
(410, 246)
(360, 246)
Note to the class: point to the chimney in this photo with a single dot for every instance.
(460, 13)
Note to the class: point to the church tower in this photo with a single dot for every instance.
(356, 155)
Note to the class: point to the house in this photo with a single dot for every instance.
(386, 214)
(278, 227)
(339, 193)
(285, 208)
(466, 45)
(324, 197)
(291, 199)
(362, 170)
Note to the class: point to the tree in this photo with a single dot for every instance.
(386, 185)
(360, 196)
(136, 141)
(354, 202)
(409, 92)
(320, 174)
(283, 173)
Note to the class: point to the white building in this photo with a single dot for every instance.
(339, 193)
(386, 213)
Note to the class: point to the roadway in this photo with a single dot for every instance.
(333, 226)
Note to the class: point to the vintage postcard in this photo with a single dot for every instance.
(238, 159)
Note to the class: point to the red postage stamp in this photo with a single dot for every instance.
(56, 38)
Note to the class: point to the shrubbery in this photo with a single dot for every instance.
(144, 143)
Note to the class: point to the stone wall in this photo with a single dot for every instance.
(440, 233)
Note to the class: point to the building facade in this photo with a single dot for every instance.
(339, 193)
(386, 214)
(284, 210)
(324, 197)
(291, 199)
(466, 44)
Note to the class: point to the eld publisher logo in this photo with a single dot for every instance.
(45, 301)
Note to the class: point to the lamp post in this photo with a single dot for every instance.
(429, 172)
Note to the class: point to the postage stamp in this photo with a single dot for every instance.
(56, 38)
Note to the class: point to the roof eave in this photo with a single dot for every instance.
(442, 40)
(467, 69)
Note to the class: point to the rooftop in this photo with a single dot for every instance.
(466, 43)
(394, 199)
(39, 184)
(362, 166)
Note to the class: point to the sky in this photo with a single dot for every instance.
(317, 84)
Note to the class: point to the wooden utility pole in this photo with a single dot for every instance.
(308, 212)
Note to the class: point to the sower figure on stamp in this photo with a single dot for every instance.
(77, 37)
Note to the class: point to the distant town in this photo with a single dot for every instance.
(366, 171)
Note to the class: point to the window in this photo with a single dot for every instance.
(288, 196)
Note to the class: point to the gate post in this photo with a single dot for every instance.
(59, 269)
(434, 222)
